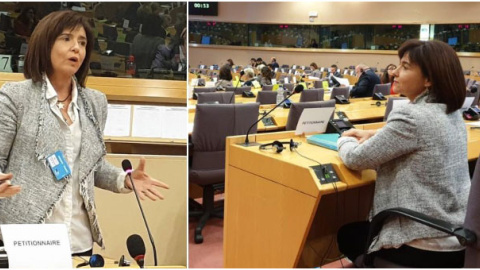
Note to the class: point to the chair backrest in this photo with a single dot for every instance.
(297, 108)
(312, 95)
(238, 90)
(476, 94)
(267, 97)
(220, 97)
(318, 84)
(212, 124)
(390, 106)
(472, 219)
(384, 89)
(267, 88)
(197, 90)
(470, 83)
(288, 86)
(337, 91)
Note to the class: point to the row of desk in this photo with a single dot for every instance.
(279, 215)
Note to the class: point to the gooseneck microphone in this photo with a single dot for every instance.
(297, 89)
(136, 249)
(127, 167)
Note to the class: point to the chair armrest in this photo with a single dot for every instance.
(464, 236)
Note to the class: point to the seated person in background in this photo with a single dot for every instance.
(313, 66)
(272, 70)
(313, 43)
(25, 22)
(145, 44)
(366, 82)
(173, 55)
(266, 76)
(259, 62)
(333, 71)
(274, 63)
(230, 63)
(224, 78)
(248, 77)
(387, 76)
(253, 62)
(410, 173)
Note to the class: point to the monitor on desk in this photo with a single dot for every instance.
(5, 22)
(110, 32)
(205, 40)
(452, 41)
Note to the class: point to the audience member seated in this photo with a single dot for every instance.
(230, 63)
(248, 77)
(253, 62)
(173, 55)
(421, 164)
(224, 78)
(145, 44)
(387, 76)
(274, 63)
(366, 81)
(25, 22)
(333, 71)
(266, 76)
(313, 43)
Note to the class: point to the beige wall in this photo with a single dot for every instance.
(120, 217)
(331, 13)
(346, 12)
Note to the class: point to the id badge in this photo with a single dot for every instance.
(59, 165)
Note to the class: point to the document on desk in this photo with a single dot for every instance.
(173, 126)
(314, 120)
(159, 122)
(342, 81)
(118, 120)
(468, 102)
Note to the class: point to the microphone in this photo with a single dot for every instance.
(473, 89)
(127, 167)
(136, 249)
(297, 89)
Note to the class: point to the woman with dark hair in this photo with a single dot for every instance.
(266, 76)
(230, 62)
(224, 78)
(410, 171)
(25, 22)
(50, 118)
(313, 66)
(387, 76)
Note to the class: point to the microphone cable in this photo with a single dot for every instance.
(337, 217)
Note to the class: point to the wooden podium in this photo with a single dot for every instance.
(277, 214)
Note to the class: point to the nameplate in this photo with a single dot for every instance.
(36, 246)
(314, 120)
(5, 63)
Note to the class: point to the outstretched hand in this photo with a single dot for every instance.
(146, 186)
(6, 189)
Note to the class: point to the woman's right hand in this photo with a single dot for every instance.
(360, 135)
(6, 189)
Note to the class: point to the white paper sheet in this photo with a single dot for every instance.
(118, 120)
(147, 121)
(468, 102)
(174, 123)
(314, 120)
(342, 81)
(37, 246)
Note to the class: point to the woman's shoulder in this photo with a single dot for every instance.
(19, 88)
(94, 95)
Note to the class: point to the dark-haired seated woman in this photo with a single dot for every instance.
(421, 160)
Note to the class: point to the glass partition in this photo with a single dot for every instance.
(133, 39)
(462, 37)
(366, 37)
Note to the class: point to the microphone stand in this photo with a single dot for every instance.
(144, 219)
(247, 142)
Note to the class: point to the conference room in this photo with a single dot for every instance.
(145, 131)
(271, 88)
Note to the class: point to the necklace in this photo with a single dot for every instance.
(60, 102)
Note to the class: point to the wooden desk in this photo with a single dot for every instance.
(110, 263)
(277, 214)
(359, 109)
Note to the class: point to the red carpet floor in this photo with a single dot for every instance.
(209, 254)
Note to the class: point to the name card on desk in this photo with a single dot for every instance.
(314, 120)
(118, 120)
(5, 63)
(37, 246)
